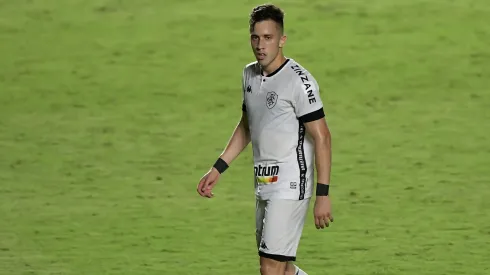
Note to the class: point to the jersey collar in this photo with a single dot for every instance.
(276, 71)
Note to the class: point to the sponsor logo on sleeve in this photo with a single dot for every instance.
(306, 83)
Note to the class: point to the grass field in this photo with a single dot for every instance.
(111, 111)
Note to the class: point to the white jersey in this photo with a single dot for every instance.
(277, 106)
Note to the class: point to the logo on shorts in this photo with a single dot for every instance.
(262, 245)
(266, 174)
(271, 99)
(292, 185)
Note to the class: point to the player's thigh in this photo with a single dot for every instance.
(282, 228)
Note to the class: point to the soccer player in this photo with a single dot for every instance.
(283, 118)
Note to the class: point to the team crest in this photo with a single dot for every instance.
(271, 99)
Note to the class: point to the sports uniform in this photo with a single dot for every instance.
(277, 106)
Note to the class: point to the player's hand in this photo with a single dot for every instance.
(322, 212)
(207, 182)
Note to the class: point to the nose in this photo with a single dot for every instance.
(259, 44)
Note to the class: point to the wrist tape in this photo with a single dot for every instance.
(322, 189)
(220, 165)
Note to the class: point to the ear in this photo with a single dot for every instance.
(282, 41)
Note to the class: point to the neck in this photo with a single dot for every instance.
(275, 64)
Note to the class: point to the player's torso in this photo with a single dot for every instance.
(271, 117)
(276, 134)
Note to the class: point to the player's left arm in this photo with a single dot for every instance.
(319, 131)
(309, 110)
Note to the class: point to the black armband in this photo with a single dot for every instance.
(322, 189)
(220, 165)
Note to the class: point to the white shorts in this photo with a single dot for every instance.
(279, 225)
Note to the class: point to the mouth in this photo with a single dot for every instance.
(260, 56)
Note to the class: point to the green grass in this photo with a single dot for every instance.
(111, 111)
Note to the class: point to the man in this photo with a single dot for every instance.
(283, 118)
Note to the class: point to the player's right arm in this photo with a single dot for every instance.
(238, 141)
(236, 144)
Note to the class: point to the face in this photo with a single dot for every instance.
(267, 41)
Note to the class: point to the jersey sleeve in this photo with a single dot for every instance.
(306, 99)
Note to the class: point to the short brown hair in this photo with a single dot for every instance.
(266, 12)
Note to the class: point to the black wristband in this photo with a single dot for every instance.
(220, 165)
(322, 189)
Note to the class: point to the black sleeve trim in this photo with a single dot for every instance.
(279, 258)
(244, 108)
(318, 114)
